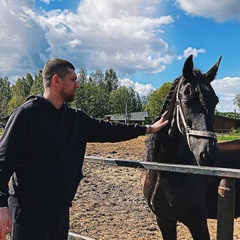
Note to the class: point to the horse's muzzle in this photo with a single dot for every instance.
(204, 151)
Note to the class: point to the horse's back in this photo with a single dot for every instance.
(229, 145)
(229, 154)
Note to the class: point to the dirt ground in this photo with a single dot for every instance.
(109, 204)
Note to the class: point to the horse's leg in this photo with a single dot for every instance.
(168, 228)
(199, 229)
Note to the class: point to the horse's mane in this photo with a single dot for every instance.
(154, 140)
(169, 97)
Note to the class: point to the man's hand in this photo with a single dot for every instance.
(157, 126)
(5, 222)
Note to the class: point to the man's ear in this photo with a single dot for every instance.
(55, 80)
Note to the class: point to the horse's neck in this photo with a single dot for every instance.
(174, 148)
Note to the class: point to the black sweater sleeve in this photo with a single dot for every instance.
(104, 131)
(11, 145)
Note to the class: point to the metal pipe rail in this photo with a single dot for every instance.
(74, 236)
(226, 190)
(212, 171)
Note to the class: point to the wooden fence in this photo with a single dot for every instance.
(226, 191)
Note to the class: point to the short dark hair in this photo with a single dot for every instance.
(55, 66)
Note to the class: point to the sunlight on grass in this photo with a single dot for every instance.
(229, 136)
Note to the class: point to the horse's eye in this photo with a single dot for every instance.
(188, 93)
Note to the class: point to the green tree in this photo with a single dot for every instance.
(91, 95)
(20, 92)
(94, 91)
(136, 103)
(5, 96)
(97, 102)
(82, 79)
(111, 81)
(27, 84)
(156, 101)
(97, 76)
(119, 100)
(230, 115)
(139, 104)
(18, 95)
(82, 75)
(236, 100)
(37, 86)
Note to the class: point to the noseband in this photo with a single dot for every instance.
(188, 131)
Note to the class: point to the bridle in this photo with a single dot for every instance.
(188, 131)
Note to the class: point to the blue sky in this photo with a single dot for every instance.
(145, 42)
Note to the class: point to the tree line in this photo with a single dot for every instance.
(12, 96)
(99, 94)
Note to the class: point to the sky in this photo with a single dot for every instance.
(145, 41)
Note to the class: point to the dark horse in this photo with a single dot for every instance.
(188, 139)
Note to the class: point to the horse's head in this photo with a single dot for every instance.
(193, 107)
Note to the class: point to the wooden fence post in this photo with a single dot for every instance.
(226, 209)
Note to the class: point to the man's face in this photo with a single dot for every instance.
(69, 86)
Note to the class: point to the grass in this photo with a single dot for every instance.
(229, 136)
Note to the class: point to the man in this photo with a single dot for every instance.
(42, 151)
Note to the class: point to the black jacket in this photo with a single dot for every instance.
(43, 148)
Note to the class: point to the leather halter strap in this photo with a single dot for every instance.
(188, 131)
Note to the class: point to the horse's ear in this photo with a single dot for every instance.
(211, 73)
(188, 67)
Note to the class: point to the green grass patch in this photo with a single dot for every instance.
(229, 136)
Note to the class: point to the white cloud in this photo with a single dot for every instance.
(142, 89)
(112, 33)
(220, 10)
(45, 1)
(187, 52)
(74, 43)
(21, 39)
(226, 89)
(118, 34)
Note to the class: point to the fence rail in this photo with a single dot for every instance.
(226, 192)
(74, 236)
(213, 171)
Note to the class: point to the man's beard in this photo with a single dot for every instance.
(67, 97)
